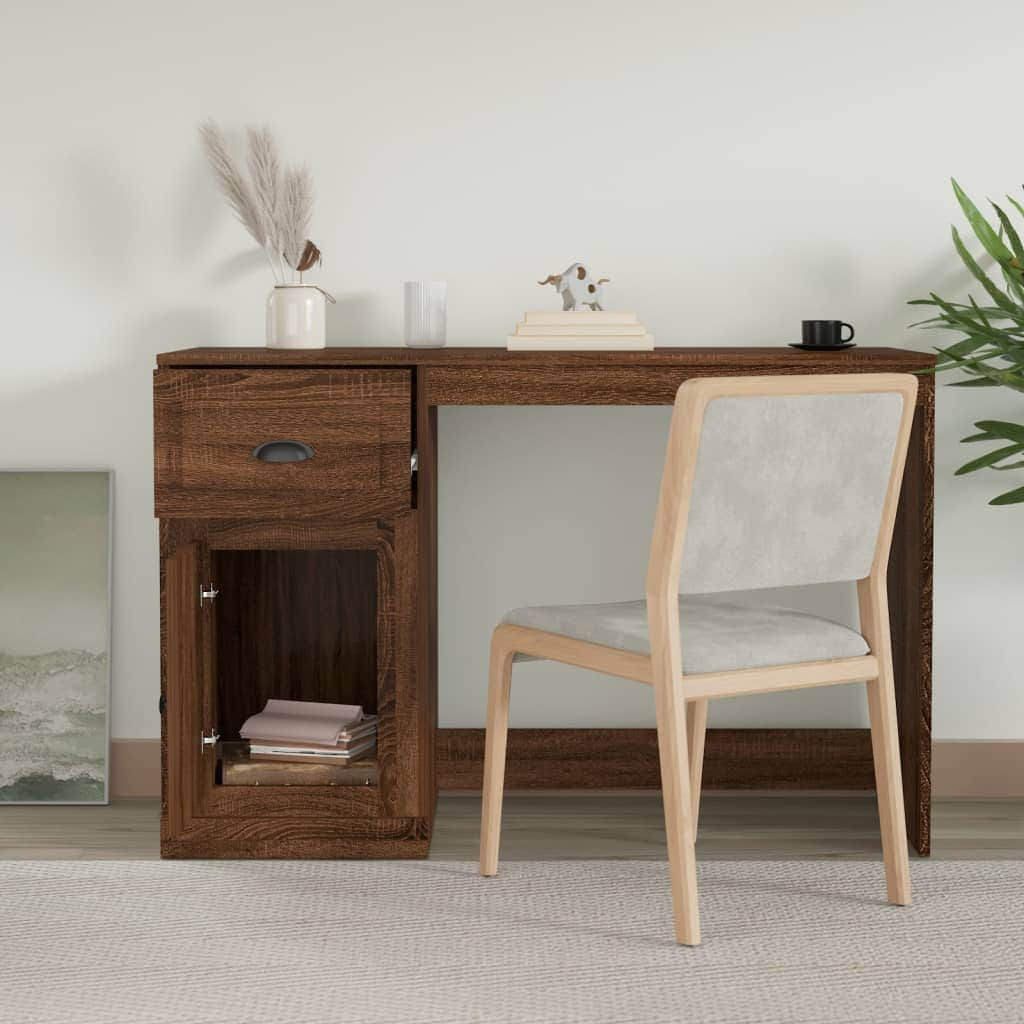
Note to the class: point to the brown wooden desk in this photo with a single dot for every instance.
(354, 528)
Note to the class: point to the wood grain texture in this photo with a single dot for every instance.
(256, 803)
(637, 381)
(826, 759)
(403, 739)
(910, 611)
(748, 359)
(267, 534)
(166, 552)
(294, 625)
(388, 739)
(295, 845)
(208, 422)
(182, 670)
(425, 597)
(301, 836)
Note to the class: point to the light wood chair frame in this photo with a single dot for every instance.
(681, 701)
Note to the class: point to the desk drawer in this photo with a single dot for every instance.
(352, 426)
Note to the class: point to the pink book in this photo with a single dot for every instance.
(302, 720)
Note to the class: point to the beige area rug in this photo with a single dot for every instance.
(303, 942)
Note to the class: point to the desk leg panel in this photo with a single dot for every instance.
(426, 595)
(910, 603)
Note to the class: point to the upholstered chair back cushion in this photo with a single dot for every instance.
(788, 490)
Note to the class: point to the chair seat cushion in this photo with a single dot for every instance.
(717, 636)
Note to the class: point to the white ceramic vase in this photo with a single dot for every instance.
(297, 316)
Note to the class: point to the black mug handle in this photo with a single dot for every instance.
(841, 338)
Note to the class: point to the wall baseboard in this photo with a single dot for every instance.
(134, 768)
(978, 768)
(750, 759)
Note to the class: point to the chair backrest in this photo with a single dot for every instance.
(780, 481)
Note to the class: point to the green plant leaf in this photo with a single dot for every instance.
(963, 317)
(989, 458)
(999, 297)
(1019, 208)
(1014, 268)
(990, 349)
(978, 367)
(984, 231)
(1009, 498)
(1000, 428)
(961, 348)
(980, 313)
(970, 361)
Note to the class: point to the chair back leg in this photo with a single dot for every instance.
(696, 730)
(499, 694)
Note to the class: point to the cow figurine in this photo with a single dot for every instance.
(578, 288)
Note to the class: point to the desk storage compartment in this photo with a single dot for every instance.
(253, 442)
(293, 625)
(298, 610)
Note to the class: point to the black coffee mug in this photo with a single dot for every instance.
(826, 332)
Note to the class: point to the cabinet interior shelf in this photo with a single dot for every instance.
(238, 769)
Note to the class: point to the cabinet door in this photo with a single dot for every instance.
(189, 693)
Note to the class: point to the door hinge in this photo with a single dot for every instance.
(162, 704)
(208, 741)
(207, 592)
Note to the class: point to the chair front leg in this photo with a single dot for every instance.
(670, 707)
(499, 694)
(885, 748)
(670, 713)
(885, 744)
(696, 730)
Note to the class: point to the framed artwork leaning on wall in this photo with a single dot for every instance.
(56, 547)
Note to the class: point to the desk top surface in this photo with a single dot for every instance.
(769, 359)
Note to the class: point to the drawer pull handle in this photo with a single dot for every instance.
(283, 451)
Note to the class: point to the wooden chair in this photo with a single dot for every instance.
(768, 482)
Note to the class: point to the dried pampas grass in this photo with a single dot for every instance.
(275, 207)
(296, 212)
(232, 183)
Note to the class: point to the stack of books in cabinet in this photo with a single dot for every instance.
(288, 737)
(307, 731)
(580, 330)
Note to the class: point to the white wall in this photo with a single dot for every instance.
(733, 169)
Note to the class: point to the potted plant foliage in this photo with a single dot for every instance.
(991, 353)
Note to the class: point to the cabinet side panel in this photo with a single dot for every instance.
(398, 697)
(182, 674)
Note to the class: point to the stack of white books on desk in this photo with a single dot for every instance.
(580, 330)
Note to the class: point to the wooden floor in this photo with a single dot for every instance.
(576, 826)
